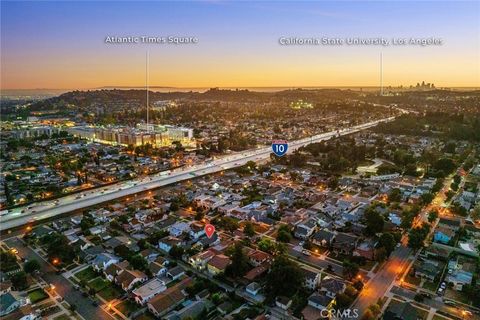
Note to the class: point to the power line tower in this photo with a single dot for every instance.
(146, 88)
(381, 74)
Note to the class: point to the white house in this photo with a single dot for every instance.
(103, 260)
(178, 228)
(147, 291)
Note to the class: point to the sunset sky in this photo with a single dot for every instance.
(60, 45)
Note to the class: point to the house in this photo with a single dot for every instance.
(166, 244)
(366, 249)
(331, 287)
(323, 238)
(128, 278)
(199, 261)
(400, 311)
(149, 290)
(103, 260)
(5, 287)
(258, 257)
(178, 228)
(256, 272)
(175, 273)
(443, 235)
(113, 270)
(451, 224)
(8, 303)
(158, 267)
(428, 269)
(225, 307)
(149, 254)
(312, 279)
(191, 311)
(459, 278)
(168, 299)
(305, 228)
(344, 243)
(320, 301)
(218, 264)
(283, 302)
(253, 288)
(196, 231)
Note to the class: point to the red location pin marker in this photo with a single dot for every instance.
(209, 230)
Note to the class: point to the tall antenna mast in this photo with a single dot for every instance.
(381, 74)
(146, 87)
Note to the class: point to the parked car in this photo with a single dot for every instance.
(449, 303)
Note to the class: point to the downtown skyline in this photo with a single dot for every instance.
(61, 45)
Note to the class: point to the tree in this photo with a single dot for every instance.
(249, 229)
(284, 233)
(123, 251)
(199, 215)
(395, 195)
(267, 245)
(350, 269)
(427, 198)
(31, 266)
(19, 280)
(284, 236)
(387, 241)
(138, 262)
(374, 221)
(476, 212)
(285, 277)
(176, 252)
(432, 216)
(239, 265)
(417, 236)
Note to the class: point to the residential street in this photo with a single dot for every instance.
(63, 287)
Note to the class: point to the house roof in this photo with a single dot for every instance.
(255, 272)
(219, 261)
(175, 271)
(170, 297)
(449, 222)
(332, 284)
(126, 277)
(6, 300)
(324, 235)
(400, 310)
(150, 288)
(259, 255)
(309, 274)
(320, 299)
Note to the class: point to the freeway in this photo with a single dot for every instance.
(49, 209)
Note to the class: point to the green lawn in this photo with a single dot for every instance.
(432, 286)
(110, 292)
(412, 280)
(98, 284)
(146, 316)
(86, 274)
(126, 307)
(37, 295)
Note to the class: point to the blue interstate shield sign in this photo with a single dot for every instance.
(279, 147)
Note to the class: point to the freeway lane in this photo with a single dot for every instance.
(49, 209)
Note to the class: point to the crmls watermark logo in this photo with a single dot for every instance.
(339, 314)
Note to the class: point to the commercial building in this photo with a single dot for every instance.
(157, 135)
